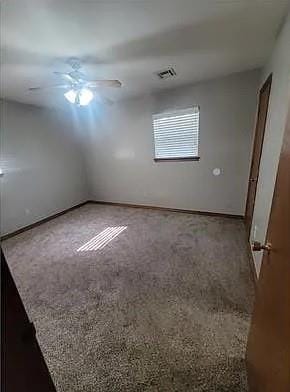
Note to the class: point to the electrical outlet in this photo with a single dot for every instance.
(27, 211)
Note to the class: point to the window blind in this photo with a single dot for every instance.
(176, 134)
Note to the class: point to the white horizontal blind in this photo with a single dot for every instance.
(176, 134)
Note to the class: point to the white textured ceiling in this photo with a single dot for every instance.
(129, 40)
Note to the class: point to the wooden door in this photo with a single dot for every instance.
(264, 96)
(268, 351)
(22, 364)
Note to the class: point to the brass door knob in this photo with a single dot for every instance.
(257, 246)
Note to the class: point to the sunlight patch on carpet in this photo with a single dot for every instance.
(102, 239)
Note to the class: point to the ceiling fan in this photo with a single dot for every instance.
(79, 90)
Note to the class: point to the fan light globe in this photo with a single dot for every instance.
(85, 96)
(82, 97)
(71, 96)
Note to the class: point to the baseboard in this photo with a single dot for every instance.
(219, 214)
(40, 222)
(252, 264)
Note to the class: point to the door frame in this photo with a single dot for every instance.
(23, 367)
(266, 84)
(268, 346)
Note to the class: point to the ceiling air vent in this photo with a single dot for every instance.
(166, 73)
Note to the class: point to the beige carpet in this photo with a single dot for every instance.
(162, 304)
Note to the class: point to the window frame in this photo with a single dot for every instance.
(172, 113)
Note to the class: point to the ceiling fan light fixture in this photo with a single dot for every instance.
(80, 97)
(85, 96)
(71, 96)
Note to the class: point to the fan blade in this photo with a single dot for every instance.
(47, 87)
(78, 76)
(65, 76)
(107, 101)
(104, 83)
(104, 100)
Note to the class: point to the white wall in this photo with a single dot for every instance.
(45, 172)
(42, 163)
(120, 153)
(279, 65)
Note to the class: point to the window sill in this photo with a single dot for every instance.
(176, 159)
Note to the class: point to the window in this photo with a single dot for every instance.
(176, 135)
